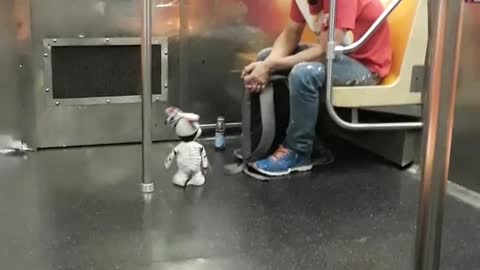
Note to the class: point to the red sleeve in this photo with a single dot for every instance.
(295, 13)
(346, 14)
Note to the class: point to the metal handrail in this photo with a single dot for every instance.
(169, 4)
(445, 30)
(357, 44)
(331, 51)
(147, 185)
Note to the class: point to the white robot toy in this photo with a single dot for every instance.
(190, 156)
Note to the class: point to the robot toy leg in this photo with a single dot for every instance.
(180, 178)
(197, 179)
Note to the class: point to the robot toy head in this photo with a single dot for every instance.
(186, 125)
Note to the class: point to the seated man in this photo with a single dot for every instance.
(366, 66)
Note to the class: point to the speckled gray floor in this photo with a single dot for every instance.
(82, 209)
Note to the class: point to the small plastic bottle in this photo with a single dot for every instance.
(220, 134)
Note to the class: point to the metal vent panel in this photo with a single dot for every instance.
(96, 71)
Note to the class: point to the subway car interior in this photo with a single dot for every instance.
(84, 137)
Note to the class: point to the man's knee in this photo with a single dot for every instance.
(307, 76)
(263, 54)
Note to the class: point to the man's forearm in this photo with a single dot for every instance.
(312, 54)
(316, 53)
(284, 46)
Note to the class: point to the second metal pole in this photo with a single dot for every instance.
(146, 47)
(445, 28)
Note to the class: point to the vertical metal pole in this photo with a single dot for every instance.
(445, 27)
(147, 183)
(332, 15)
(184, 57)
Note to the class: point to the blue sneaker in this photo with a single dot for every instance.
(283, 162)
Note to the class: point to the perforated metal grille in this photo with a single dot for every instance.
(101, 71)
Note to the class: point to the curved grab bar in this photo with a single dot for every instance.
(169, 4)
(331, 49)
(359, 43)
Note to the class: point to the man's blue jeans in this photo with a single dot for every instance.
(307, 88)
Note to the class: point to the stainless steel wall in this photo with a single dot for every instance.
(207, 39)
(9, 99)
(465, 167)
(66, 125)
(209, 43)
(214, 35)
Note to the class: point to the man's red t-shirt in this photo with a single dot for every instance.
(357, 16)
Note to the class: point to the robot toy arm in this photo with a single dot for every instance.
(205, 164)
(170, 158)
